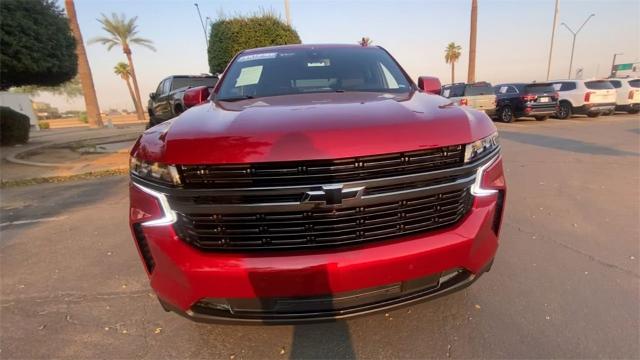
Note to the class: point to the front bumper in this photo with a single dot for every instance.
(183, 276)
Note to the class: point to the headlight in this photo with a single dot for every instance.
(155, 171)
(480, 148)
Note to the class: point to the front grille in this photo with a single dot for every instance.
(320, 172)
(324, 226)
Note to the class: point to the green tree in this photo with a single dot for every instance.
(36, 44)
(123, 32)
(451, 55)
(230, 36)
(122, 69)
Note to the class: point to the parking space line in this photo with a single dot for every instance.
(21, 222)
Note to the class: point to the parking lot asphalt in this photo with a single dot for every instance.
(565, 283)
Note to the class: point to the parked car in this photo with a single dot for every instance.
(627, 94)
(477, 95)
(516, 100)
(317, 182)
(167, 101)
(586, 97)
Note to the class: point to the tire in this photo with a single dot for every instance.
(594, 114)
(505, 114)
(542, 118)
(177, 110)
(564, 110)
(633, 111)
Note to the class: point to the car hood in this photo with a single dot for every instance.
(311, 126)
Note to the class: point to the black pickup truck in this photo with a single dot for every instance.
(167, 101)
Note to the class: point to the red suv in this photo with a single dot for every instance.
(318, 182)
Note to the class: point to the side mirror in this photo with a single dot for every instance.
(152, 96)
(195, 96)
(430, 84)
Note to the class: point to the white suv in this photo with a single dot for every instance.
(588, 97)
(628, 91)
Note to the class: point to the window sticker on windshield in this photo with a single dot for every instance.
(249, 76)
(557, 87)
(446, 92)
(503, 89)
(257, 57)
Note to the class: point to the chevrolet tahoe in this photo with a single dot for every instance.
(317, 182)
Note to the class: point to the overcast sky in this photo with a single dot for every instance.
(513, 37)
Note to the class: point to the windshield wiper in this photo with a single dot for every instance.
(236, 98)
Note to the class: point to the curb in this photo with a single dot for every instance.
(64, 178)
(13, 158)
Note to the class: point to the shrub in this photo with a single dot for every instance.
(36, 44)
(14, 127)
(43, 125)
(230, 36)
(83, 117)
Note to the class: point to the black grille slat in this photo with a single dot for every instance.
(320, 171)
(325, 227)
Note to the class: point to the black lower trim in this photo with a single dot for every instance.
(143, 246)
(458, 282)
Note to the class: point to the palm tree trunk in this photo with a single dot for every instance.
(84, 70)
(471, 75)
(134, 79)
(133, 96)
(453, 72)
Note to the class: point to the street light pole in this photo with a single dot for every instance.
(553, 33)
(613, 65)
(206, 40)
(573, 45)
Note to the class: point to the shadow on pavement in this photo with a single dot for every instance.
(322, 341)
(564, 144)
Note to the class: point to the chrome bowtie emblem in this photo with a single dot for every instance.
(333, 194)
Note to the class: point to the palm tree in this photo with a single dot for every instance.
(365, 41)
(451, 55)
(124, 32)
(122, 69)
(471, 74)
(84, 71)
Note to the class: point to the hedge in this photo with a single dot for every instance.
(230, 36)
(14, 127)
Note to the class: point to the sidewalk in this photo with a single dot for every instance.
(56, 154)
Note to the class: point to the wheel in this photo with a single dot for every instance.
(633, 111)
(506, 114)
(564, 111)
(541, 118)
(594, 114)
(177, 110)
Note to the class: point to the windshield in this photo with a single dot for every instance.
(539, 89)
(634, 83)
(479, 89)
(297, 71)
(598, 85)
(178, 82)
